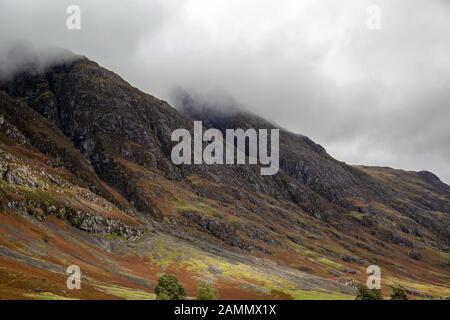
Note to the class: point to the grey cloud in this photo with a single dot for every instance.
(370, 97)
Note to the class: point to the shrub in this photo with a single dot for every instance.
(398, 294)
(169, 288)
(365, 293)
(206, 292)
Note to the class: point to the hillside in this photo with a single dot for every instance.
(86, 178)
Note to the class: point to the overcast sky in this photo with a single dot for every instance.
(376, 97)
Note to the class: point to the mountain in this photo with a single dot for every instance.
(86, 178)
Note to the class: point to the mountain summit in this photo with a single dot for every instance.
(87, 180)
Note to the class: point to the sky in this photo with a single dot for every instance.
(374, 96)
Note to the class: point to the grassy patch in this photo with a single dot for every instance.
(127, 293)
(163, 255)
(249, 276)
(113, 236)
(181, 205)
(357, 215)
(330, 263)
(46, 296)
(420, 288)
(319, 295)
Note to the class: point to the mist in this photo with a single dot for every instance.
(375, 97)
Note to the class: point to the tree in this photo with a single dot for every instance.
(169, 288)
(398, 294)
(365, 293)
(206, 292)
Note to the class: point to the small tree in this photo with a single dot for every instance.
(398, 294)
(169, 288)
(206, 292)
(163, 296)
(365, 293)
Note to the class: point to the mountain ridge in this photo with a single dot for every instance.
(104, 148)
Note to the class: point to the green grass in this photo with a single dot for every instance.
(209, 266)
(182, 205)
(46, 296)
(113, 236)
(127, 293)
(318, 295)
(356, 215)
(330, 263)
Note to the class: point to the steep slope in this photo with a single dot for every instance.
(85, 163)
(346, 187)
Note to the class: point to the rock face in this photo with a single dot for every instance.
(300, 158)
(80, 139)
